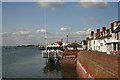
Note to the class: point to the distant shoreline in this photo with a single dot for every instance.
(22, 45)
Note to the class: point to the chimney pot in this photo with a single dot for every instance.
(87, 38)
(112, 25)
(98, 30)
(92, 33)
(103, 29)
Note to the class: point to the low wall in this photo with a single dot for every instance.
(97, 65)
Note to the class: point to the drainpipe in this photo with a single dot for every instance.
(116, 47)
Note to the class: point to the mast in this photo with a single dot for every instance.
(46, 32)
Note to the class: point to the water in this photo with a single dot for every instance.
(0, 62)
(21, 62)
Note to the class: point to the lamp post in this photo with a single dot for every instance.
(61, 40)
(67, 39)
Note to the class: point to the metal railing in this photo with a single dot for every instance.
(52, 54)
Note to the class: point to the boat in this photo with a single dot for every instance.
(41, 48)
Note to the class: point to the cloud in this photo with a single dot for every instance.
(22, 32)
(41, 30)
(52, 4)
(5, 34)
(73, 35)
(86, 32)
(93, 3)
(64, 29)
(93, 18)
(19, 37)
(23, 36)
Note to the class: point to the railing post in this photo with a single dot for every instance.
(42, 55)
(48, 54)
(55, 54)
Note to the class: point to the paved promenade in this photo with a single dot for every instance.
(100, 65)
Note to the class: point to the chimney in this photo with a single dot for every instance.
(98, 30)
(112, 26)
(119, 26)
(104, 29)
(92, 33)
(87, 38)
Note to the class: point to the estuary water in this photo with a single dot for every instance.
(0, 62)
(25, 62)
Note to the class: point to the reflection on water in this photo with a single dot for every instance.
(51, 68)
(69, 72)
(52, 64)
(66, 72)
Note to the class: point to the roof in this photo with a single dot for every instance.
(107, 36)
(117, 29)
(90, 39)
(116, 21)
(59, 42)
(74, 45)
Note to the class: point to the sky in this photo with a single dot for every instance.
(0, 25)
(24, 22)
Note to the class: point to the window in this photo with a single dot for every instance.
(94, 42)
(114, 46)
(115, 35)
(118, 46)
(94, 47)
